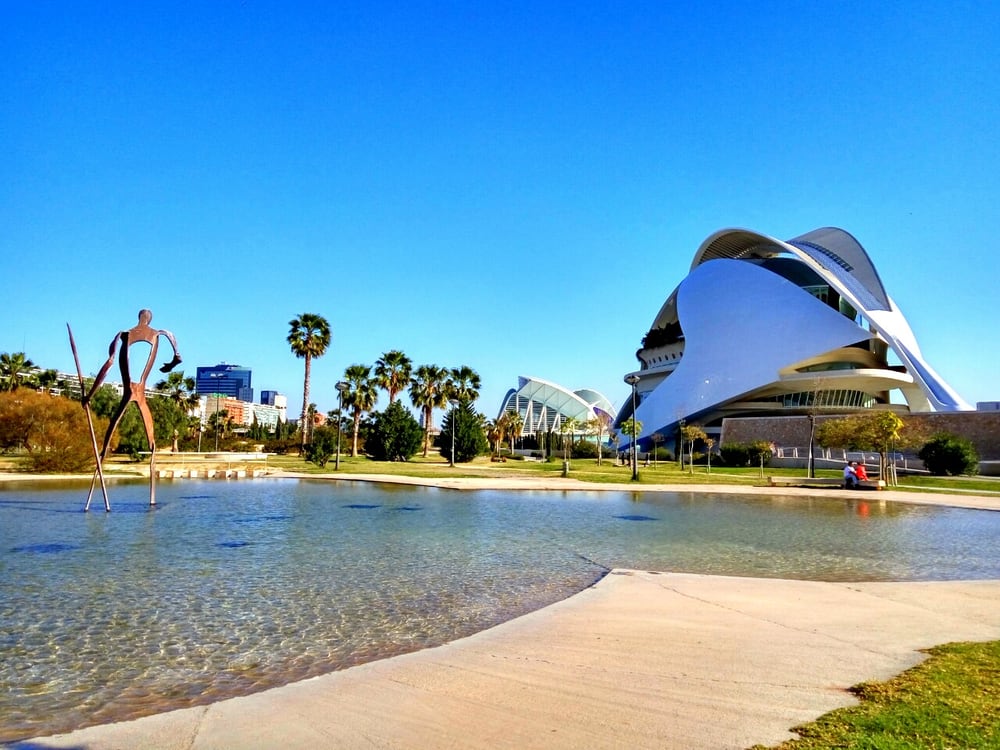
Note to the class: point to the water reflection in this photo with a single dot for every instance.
(229, 588)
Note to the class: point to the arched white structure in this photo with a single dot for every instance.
(761, 326)
(544, 405)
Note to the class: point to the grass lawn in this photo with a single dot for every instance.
(949, 702)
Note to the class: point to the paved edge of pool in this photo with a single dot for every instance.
(640, 659)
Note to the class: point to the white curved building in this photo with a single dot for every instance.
(765, 327)
(544, 405)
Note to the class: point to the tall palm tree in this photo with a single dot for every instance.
(13, 369)
(569, 424)
(361, 396)
(464, 384)
(429, 391)
(392, 372)
(309, 337)
(179, 389)
(515, 425)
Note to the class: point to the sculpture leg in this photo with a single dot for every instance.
(147, 421)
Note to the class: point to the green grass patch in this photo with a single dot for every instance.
(949, 702)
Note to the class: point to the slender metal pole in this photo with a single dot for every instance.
(635, 457)
(454, 406)
(93, 436)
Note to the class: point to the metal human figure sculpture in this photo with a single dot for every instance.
(135, 390)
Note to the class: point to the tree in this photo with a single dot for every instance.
(464, 384)
(657, 438)
(392, 372)
(470, 440)
(47, 379)
(632, 428)
(949, 454)
(14, 370)
(322, 446)
(52, 430)
(569, 424)
(495, 432)
(360, 396)
(428, 391)
(515, 425)
(395, 435)
(598, 425)
(690, 434)
(872, 431)
(309, 337)
(179, 389)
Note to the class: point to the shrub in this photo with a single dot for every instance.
(322, 446)
(52, 429)
(949, 454)
(395, 435)
(584, 449)
(745, 454)
(470, 440)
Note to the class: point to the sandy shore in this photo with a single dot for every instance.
(642, 659)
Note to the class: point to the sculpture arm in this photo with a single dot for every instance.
(99, 380)
(168, 366)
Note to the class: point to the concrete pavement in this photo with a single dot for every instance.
(641, 659)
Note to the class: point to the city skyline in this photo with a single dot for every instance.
(514, 189)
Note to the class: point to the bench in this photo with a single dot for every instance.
(867, 484)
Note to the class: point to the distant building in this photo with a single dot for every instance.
(544, 406)
(761, 327)
(225, 379)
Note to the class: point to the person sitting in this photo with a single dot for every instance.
(860, 473)
(850, 477)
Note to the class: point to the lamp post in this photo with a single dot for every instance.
(454, 414)
(341, 387)
(633, 380)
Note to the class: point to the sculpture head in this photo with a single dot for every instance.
(145, 316)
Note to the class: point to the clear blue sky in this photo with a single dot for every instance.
(514, 188)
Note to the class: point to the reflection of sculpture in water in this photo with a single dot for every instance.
(134, 390)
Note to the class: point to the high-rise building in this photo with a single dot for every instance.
(226, 379)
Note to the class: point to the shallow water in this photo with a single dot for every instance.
(228, 588)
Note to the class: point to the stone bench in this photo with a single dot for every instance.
(867, 484)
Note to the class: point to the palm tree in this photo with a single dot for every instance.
(392, 372)
(464, 384)
(309, 337)
(515, 424)
(429, 391)
(361, 396)
(12, 370)
(495, 432)
(179, 389)
(569, 424)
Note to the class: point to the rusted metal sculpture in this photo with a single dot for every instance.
(133, 391)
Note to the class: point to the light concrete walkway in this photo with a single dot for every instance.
(641, 660)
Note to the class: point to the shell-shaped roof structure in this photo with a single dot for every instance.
(766, 326)
(545, 405)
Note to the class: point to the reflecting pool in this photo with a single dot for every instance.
(230, 587)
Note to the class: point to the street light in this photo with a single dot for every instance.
(454, 407)
(633, 380)
(341, 387)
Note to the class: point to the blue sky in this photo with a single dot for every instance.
(516, 188)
